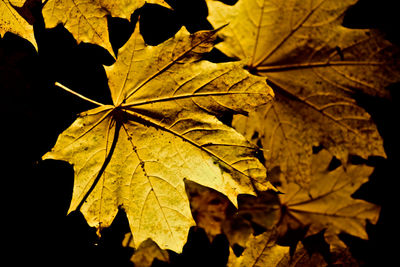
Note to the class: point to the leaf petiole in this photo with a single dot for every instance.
(78, 95)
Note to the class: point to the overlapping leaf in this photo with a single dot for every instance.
(316, 66)
(324, 207)
(326, 202)
(260, 251)
(11, 21)
(87, 19)
(147, 252)
(303, 257)
(161, 130)
(213, 212)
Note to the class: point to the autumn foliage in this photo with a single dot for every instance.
(246, 125)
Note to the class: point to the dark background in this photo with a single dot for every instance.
(36, 194)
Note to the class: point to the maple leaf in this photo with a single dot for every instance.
(161, 130)
(87, 19)
(146, 253)
(326, 202)
(11, 21)
(260, 251)
(315, 66)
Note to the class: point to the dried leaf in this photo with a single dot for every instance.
(161, 130)
(261, 251)
(87, 19)
(315, 66)
(326, 202)
(11, 21)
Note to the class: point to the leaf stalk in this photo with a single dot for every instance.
(78, 95)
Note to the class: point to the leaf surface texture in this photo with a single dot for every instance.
(326, 202)
(87, 19)
(316, 67)
(11, 21)
(162, 129)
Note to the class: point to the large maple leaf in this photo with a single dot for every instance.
(163, 128)
(11, 21)
(87, 19)
(315, 66)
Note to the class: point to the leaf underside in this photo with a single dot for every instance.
(326, 203)
(162, 130)
(11, 21)
(86, 20)
(316, 67)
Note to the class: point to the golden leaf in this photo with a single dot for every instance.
(161, 130)
(326, 202)
(147, 252)
(11, 21)
(260, 251)
(315, 66)
(87, 19)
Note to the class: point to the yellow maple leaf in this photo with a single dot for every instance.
(326, 202)
(161, 130)
(11, 21)
(87, 19)
(315, 66)
(260, 251)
